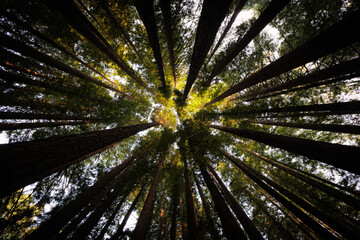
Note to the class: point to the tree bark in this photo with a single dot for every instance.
(190, 210)
(265, 18)
(145, 8)
(174, 211)
(13, 126)
(246, 222)
(26, 162)
(328, 153)
(29, 116)
(143, 223)
(336, 37)
(212, 14)
(229, 224)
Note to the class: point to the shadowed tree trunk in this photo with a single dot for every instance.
(212, 14)
(190, 210)
(257, 177)
(174, 210)
(145, 8)
(246, 222)
(23, 163)
(13, 126)
(161, 217)
(328, 153)
(59, 219)
(143, 223)
(274, 7)
(336, 37)
(22, 115)
(229, 224)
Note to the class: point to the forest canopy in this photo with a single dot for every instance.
(180, 119)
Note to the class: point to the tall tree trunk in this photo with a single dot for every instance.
(329, 153)
(26, 162)
(13, 126)
(50, 61)
(161, 217)
(209, 218)
(336, 37)
(59, 219)
(145, 8)
(143, 223)
(166, 13)
(174, 211)
(22, 115)
(260, 179)
(246, 222)
(212, 14)
(315, 126)
(119, 231)
(229, 224)
(190, 210)
(274, 7)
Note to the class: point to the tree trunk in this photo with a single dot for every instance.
(162, 217)
(190, 210)
(212, 14)
(145, 9)
(175, 205)
(59, 219)
(260, 179)
(13, 126)
(274, 7)
(143, 223)
(33, 116)
(314, 126)
(246, 222)
(328, 153)
(23, 163)
(229, 224)
(336, 37)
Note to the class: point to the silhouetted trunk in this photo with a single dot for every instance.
(329, 153)
(261, 180)
(274, 7)
(145, 8)
(174, 211)
(23, 163)
(13, 126)
(21, 115)
(314, 126)
(190, 210)
(246, 222)
(336, 37)
(209, 218)
(166, 13)
(59, 219)
(143, 223)
(120, 229)
(212, 14)
(236, 12)
(321, 186)
(49, 61)
(161, 217)
(229, 224)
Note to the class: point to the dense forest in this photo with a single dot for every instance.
(180, 119)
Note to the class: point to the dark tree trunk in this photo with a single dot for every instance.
(209, 218)
(260, 179)
(190, 210)
(162, 217)
(145, 8)
(229, 224)
(13, 126)
(237, 10)
(143, 223)
(22, 115)
(50, 61)
(331, 40)
(246, 222)
(212, 14)
(26, 162)
(265, 18)
(166, 13)
(175, 205)
(322, 151)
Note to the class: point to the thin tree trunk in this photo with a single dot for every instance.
(143, 223)
(212, 14)
(175, 204)
(161, 217)
(190, 210)
(145, 9)
(13, 126)
(209, 218)
(246, 222)
(328, 153)
(50, 61)
(315, 126)
(229, 224)
(274, 7)
(336, 37)
(260, 179)
(26, 162)
(59, 219)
